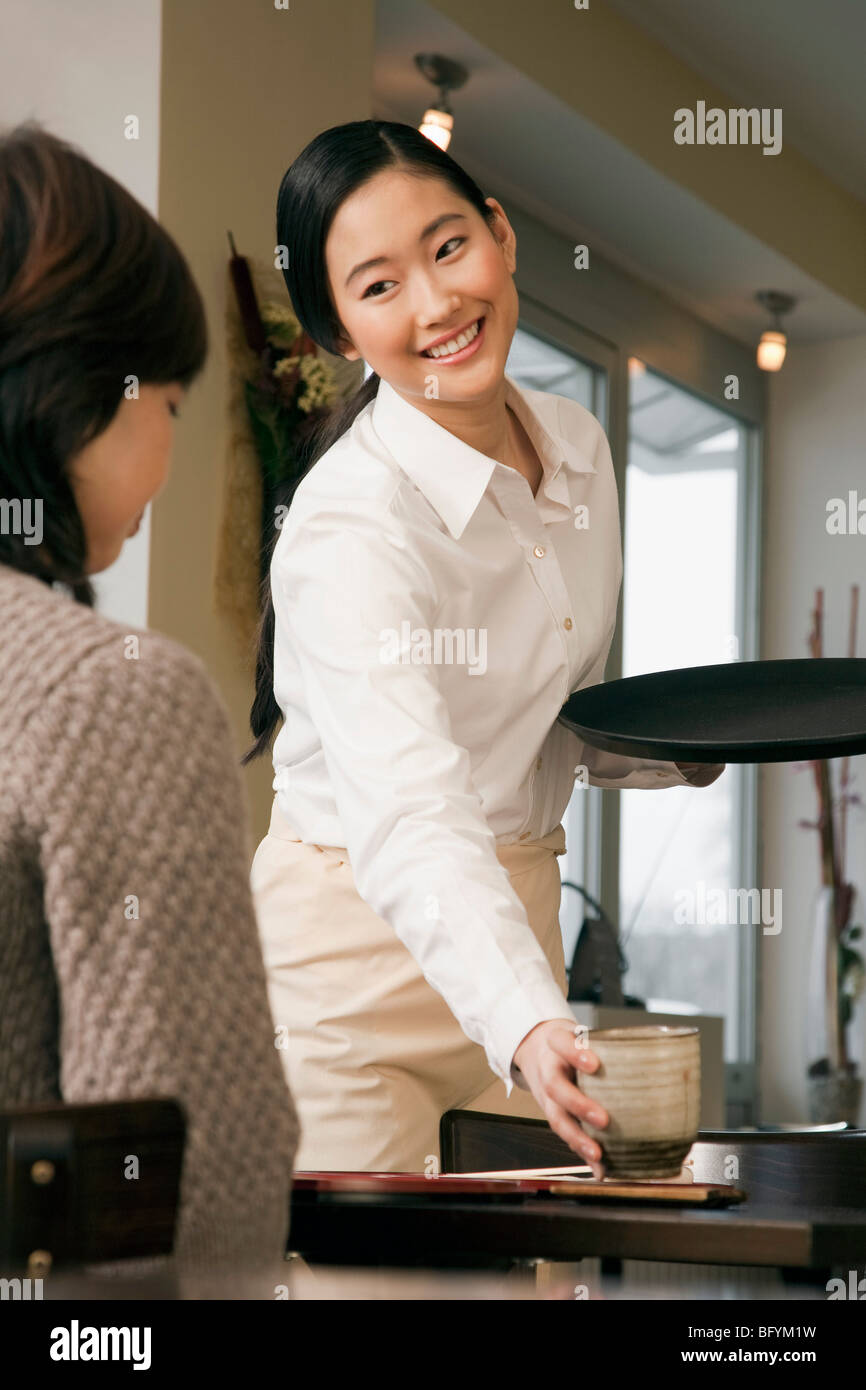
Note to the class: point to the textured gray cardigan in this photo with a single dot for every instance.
(130, 962)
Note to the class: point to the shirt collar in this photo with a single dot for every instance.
(453, 476)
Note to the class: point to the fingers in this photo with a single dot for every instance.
(563, 1041)
(573, 1101)
(566, 1103)
(702, 774)
(581, 1059)
(576, 1138)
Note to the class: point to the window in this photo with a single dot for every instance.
(683, 603)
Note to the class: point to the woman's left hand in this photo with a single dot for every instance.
(701, 774)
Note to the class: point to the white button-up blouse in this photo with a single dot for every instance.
(432, 617)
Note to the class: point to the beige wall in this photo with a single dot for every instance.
(244, 88)
(816, 429)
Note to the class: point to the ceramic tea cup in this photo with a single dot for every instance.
(649, 1082)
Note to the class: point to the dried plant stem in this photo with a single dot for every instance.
(829, 868)
(844, 778)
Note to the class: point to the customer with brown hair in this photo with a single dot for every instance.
(130, 964)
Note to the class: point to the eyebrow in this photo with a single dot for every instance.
(428, 231)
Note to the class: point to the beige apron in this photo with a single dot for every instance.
(372, 1053)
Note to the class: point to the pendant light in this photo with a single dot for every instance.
(773, 344)
(438, 120)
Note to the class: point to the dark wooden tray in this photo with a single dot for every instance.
(387, 1186)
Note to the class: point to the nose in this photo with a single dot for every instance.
(435, 307)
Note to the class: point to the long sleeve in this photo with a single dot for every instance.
(136, 806)
(422, 853)
(617, 772)
(610, 770)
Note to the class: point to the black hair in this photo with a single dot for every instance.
(334, 165)
(92, 289)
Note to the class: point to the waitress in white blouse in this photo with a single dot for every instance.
(446, 576)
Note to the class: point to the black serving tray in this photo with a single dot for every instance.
(735, 712)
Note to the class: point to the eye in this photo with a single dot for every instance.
(458, 239)
(449, 241)
(373, 286)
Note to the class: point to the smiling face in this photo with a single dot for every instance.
(115, 476)
(439, 269)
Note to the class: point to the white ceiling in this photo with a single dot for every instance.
(527, 146)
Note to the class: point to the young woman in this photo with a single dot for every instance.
(433, 602)
(130, 964)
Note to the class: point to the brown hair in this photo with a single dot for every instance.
(92, 291)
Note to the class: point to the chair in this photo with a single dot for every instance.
(80, 1184)
(788, 1169)
(472, 1141)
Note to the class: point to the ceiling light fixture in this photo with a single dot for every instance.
(773, 344)
(438, 121)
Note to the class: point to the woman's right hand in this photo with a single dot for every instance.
(548, 1059)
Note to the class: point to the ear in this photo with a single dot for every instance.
(504, 233)
(347, 349)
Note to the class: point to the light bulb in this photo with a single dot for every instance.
(771, 350)
(437, 126)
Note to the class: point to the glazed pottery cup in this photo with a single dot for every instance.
(649, 1082)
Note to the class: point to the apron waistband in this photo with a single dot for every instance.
(516, 856)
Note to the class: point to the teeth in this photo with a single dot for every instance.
(454, 344)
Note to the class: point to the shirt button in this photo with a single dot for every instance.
(525, 835)
(538, 765)
(539, 551)
(567, 624)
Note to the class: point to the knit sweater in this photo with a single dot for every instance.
(130, 963)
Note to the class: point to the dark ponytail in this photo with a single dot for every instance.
(266, 714)
(334, 165)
